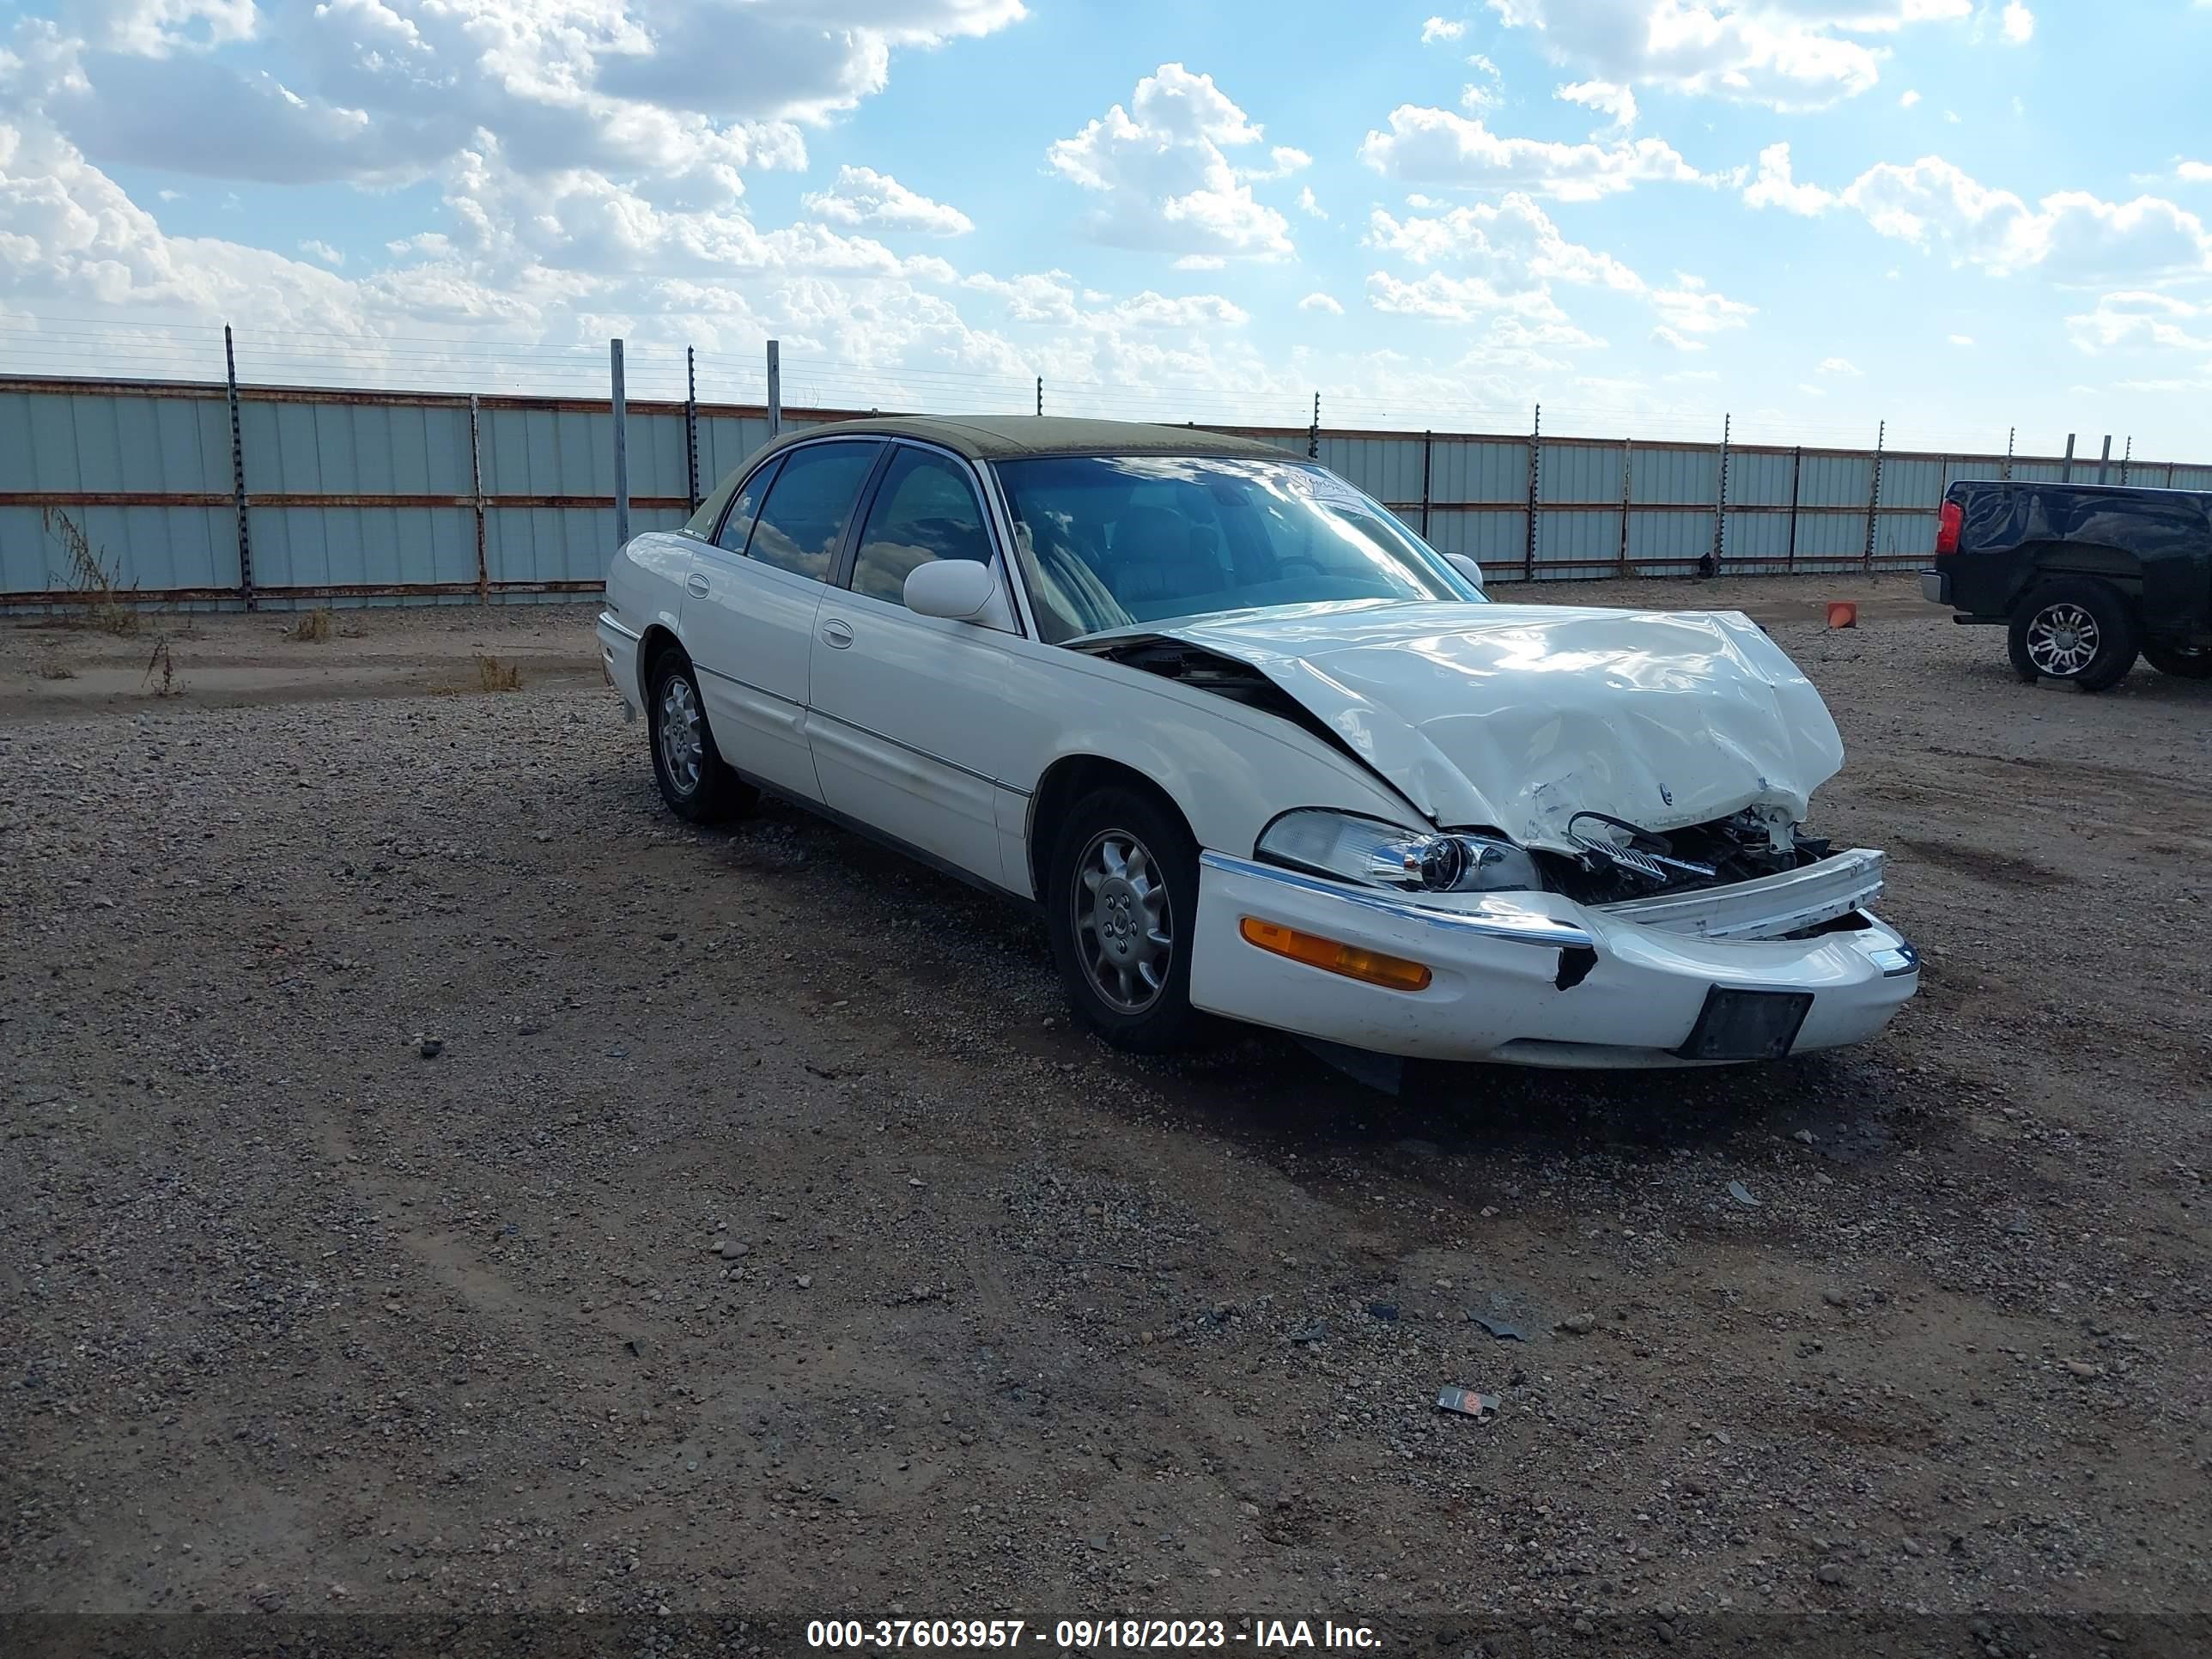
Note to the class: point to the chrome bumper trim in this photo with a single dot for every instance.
(1497, 920)
(1767, 908)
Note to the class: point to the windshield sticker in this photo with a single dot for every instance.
(1316, 485)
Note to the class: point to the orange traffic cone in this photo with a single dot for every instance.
(1842, 613)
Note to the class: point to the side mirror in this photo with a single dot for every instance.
(959, 590)
(1466, 566)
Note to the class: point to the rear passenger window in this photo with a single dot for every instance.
(739, 527)
(924, 510)
(804, 519)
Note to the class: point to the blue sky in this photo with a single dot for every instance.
(1811, 214)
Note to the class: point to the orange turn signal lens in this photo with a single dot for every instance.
(1392, 973)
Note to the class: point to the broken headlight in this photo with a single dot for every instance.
(1385, 855)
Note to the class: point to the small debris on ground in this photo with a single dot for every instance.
(1498, 1329)
(1466, 1402)
(1742, 1194)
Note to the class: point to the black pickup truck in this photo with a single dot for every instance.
(2086, 576)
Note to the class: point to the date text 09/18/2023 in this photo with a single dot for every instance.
(1088, 1635)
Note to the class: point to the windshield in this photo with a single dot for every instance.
(1109, 541)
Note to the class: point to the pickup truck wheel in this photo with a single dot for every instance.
(2076, 629)
(2186, 662)
(694, 780)
(1122, 902)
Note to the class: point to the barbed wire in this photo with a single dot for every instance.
(656, 369)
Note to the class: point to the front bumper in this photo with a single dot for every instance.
(1529, 979)
(618, 662)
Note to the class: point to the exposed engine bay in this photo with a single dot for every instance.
(1620, 860)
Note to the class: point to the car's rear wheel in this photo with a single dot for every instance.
(2186, 662)
(694, 779)
(1121, 902)
(2075, 629)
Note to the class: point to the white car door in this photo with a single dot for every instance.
(907, 711)
(750, 599)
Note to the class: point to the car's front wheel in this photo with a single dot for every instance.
(2185, 662)
(694, 779)
(2076, 629)
(1121, 903)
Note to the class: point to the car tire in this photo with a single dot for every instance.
(2075, 629)
(1124, 871)
(694, 780)
(2184, 662)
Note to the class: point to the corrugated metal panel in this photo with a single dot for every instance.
(552, 459)
(1468, 472)
(1759, 480)
(1756, 539)
(1659, 474)
(1901, 532)
(1579, 473)
(1587, 542)
(1678, 536)
(1912, 483)
(1828, 480)
(1490, 536)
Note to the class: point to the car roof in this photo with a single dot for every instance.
(1010, 437)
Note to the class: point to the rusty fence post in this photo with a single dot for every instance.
(1535, 492)
(1720, 502)
(1428, 459)
(1796, 467)
(621, 407)
(691, 426)
(1874, 495)
(238, 474)
(1627, 493)
(1313, 432)
(476, 489)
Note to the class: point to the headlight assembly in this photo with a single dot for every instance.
(1383, 856)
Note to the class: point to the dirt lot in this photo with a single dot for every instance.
(763, 1236)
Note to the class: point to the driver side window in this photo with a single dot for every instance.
(925, 510)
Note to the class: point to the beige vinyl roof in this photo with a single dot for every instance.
(1011, 437)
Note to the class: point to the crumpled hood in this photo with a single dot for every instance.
(1518, 716)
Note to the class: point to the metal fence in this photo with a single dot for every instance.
(196, 494)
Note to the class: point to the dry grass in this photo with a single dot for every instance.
(165, 665)
(56, 670)
(492, 675)
(106, 602)
(314, 626)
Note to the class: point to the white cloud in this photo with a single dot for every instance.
(1776, 188)
(390, 91)
(1607, 97)
(1434, 146)
(1505, 258)
(1485, 93)
(1907, 99)
(1786, 54)
(863, 198)
(2018, 24)
(1810, 390)
(1201, 262)
(1674, 337)
(1307, 205)
(1162, 169)
(1318, 301)
(2160, 321)
(1840, 366)
(322, 251)
(2194, 173)
(1438, 28)
(1961, 339)
(2071, 236)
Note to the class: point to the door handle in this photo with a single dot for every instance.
(836, 633)
(695, 585)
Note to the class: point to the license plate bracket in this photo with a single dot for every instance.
(1747, 1025)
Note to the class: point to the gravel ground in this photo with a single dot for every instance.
(441, 1181)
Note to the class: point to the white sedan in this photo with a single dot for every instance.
(1257, 751)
